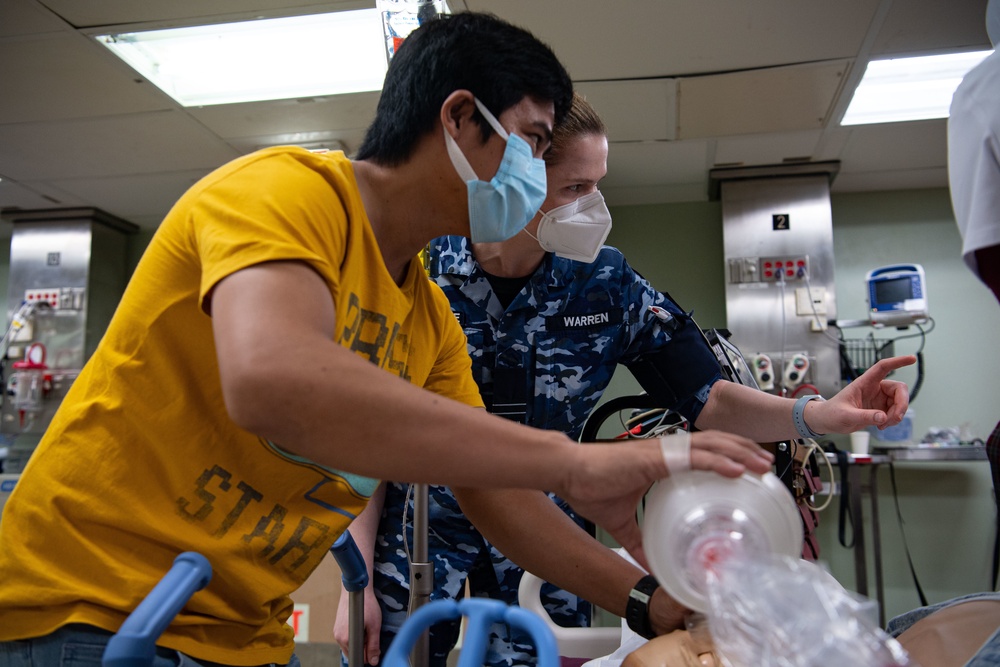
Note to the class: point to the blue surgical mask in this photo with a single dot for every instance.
(502, 207)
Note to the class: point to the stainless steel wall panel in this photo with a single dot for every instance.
(775, 220)
(73, 263)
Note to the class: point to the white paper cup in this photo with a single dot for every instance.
(859, 442)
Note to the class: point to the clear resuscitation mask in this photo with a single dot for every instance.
(696, 521)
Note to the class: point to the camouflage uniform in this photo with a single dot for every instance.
(545, 362)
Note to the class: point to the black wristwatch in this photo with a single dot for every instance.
(637, 609)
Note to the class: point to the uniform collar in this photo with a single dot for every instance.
(454, 257)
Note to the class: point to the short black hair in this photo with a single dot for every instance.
(499, 63)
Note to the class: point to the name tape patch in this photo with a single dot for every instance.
(568, 321)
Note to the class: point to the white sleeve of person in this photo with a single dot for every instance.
(676, 449)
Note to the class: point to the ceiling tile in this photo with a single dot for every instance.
(891, 146)
(277, 117)
(33, 195)
(915, 27)
(133, 196)
(113, 145)
(85, 13)
(64, 75)
(599, 40)
(832, 143)
(348, 141)
(25, 17)
(651, 162)
(766, 149)
(635, 110)
(777, 99)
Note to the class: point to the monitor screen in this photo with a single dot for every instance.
(894, 290)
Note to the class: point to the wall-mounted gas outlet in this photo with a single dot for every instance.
(795, 370)
(763, 371)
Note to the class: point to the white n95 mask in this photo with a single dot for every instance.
(576, 230)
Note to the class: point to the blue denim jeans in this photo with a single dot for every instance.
(83, 646)
(987, 656)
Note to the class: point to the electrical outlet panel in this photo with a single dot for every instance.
(46, 295)
(57, 298)
(804, 305)
(785, 267)
(744, 270)
(768, 269)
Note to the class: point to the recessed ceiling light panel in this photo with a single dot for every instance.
(264, 59)
(902, 89)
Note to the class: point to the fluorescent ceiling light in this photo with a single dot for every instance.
(265, 59)
(909, 88)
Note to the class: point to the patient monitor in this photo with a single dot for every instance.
(897, 295)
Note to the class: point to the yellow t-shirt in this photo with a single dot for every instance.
(142, 461)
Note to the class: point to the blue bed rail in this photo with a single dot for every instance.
(135, 643)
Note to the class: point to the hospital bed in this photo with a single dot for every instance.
(134, 645)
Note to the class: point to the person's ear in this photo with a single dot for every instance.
(457, 111)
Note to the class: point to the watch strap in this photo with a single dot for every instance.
(637, 607)
(798, 416)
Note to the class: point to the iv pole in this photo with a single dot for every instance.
(421, 572)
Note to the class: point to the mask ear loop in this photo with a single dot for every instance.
(525, 230)
(458, 159)
(491, 119)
